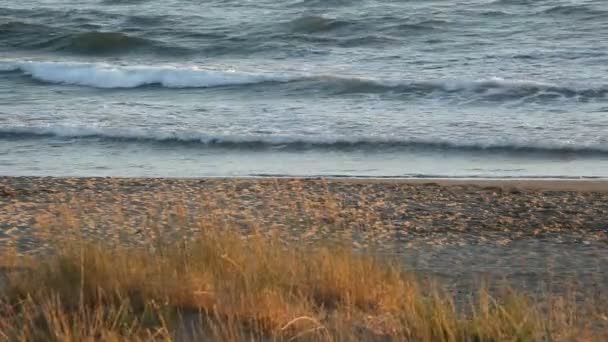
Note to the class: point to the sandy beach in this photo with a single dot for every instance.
(529, 232)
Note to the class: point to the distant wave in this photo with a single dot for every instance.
(15, 26)
(415, 27)
(37, 36)
(320, 24)
(309, 24)
(122, 2)
(324, 3)
(575, 10)
(514, 2)
(16, 33)
(494, 13)
(276, 142)
(100, 75)
(492, 88)
(559, 9)
(97, 43)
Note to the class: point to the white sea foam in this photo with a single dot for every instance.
(101, 75)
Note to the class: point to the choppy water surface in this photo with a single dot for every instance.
(478, 88)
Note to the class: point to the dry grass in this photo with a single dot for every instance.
(223, 285)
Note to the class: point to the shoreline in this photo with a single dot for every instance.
(547, 184)
(582, 184)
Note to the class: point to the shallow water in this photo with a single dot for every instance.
(504, 88)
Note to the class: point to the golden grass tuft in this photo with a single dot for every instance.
(224, 285)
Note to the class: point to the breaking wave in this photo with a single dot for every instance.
(115, 76)
(100, 75)
(277, 142)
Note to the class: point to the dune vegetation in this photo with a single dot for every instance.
(224, 285)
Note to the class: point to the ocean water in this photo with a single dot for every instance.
(435, 88)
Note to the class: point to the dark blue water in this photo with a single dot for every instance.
(478, 88)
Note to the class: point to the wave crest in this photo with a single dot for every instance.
(292, 143)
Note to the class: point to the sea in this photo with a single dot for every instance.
(343, 88)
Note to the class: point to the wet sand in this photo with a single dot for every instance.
(532, 233)
(550, 184)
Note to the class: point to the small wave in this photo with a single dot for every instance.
(146, 21)
(20, 27)
(321, 24)
(101, 75)
(312, 24)
(494, 13)
(122, 2)
(24, 34)
(366, 40)
(99, 43)
(491, 89)
(37, 36)
(324, 3)
(289, 143)
(575, 10)
(514, 2)
(418, 27)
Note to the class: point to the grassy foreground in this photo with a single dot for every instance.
(222, 285)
